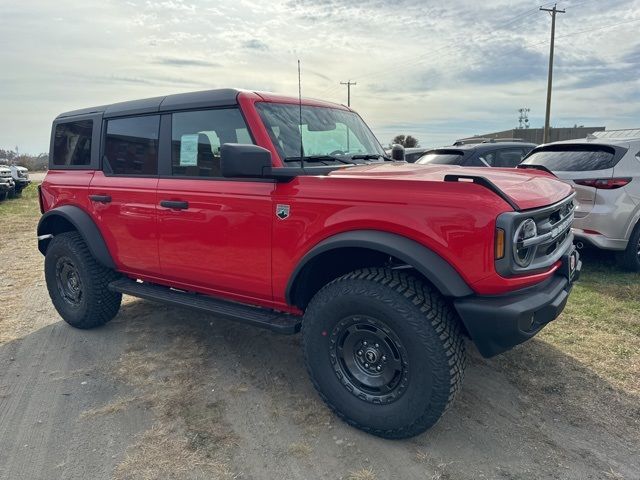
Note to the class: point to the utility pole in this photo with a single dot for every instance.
(553, 11)
(348, 84)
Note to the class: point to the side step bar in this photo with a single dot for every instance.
(256, 316)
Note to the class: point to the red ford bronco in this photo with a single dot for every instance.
(287, 215)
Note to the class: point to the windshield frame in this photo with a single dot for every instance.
(288, 155)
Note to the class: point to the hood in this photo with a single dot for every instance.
(526, 188)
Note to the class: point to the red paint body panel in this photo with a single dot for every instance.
(229, 242)
(129, 222)
(221, 244)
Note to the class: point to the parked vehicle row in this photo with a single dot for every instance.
(13, 179)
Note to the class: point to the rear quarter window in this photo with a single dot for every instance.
(72, 143)
(574, 158)
(442, 157)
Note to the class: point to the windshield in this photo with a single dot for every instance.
(443, 157)
(329, 135)
(573, 158)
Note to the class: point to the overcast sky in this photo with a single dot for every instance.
(438, 70)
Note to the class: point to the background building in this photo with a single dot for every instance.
(534, 135)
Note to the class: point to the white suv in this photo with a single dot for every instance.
(605, 171)
(20, 176)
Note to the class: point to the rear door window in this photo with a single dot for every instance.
(573, 158)
(72, 143)
(131, 146)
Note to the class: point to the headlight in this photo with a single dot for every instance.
(522, 254)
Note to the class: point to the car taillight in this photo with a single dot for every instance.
(604, 183)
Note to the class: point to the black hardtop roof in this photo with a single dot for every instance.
(180, 101)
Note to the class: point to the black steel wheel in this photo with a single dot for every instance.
(68, 281)
(370, 358)
(384, 351)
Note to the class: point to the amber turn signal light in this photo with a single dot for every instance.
(499, 243)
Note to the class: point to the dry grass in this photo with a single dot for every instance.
(189, 438)
(362, 474)
(300, 450)
(20, 267)
(115, 406)
(601, 324)
(164, 452)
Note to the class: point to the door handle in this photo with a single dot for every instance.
(175, 204)
(100, 198)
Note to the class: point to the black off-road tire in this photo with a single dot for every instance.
(629, 259)
(3, 196)
(95, 304)
(430, 345)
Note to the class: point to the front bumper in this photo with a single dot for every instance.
(498, 323)
(6, 187)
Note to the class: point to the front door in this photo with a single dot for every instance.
(214, 233)
(123, 195)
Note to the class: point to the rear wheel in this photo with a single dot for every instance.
(629, 259)
(384, 351)
(78, 284)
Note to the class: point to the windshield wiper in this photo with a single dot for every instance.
(318, 158)
(370, 156)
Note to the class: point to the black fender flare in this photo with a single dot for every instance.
(83, 223)
(436, 269)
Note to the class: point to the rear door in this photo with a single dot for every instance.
(123, 194)
(578, 161)
(215, 233)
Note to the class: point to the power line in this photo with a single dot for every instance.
(553, 11)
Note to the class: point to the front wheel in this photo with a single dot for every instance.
(384, 351)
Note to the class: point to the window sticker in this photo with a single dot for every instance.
(189, 150)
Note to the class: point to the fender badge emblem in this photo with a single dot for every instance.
(282, 211)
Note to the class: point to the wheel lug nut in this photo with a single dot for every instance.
(366, 365)
(360, 353)
(378, 368)
(377, 346)
(384, 358)
(365, 343)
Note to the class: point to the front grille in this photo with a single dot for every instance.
(554, 227)
(553, 237)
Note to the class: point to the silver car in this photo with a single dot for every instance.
(605, 171)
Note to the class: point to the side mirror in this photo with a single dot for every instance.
(239, 160)
(397, 152)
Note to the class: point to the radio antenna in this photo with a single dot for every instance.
(300, 115)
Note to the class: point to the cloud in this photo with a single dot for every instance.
(255, 44)
(186, 62)
(437, 70)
